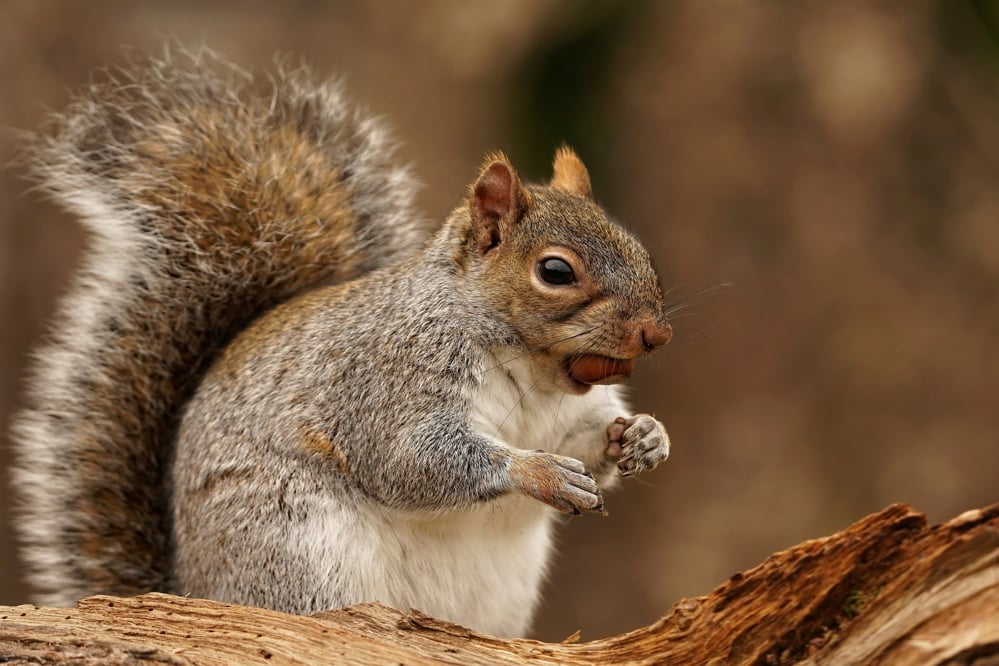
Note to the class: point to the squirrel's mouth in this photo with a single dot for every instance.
(596, 369)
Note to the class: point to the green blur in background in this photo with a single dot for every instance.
(835, 162)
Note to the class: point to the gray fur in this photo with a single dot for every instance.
(90, 159)
(269, 385)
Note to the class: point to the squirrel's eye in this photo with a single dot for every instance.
(556, 271)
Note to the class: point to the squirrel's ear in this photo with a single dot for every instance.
(570, 173)
(497, 201)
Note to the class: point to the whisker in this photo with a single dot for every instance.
(558, 406)
(685, 307)
(556, 342)
(671, 290)
(696, 295)
(517, 404)
(592, 343)
(699, 332)
(641, 481)
(678, 308)
(577, 335)
(607, 398)
(685, 315)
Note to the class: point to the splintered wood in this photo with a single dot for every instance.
(888, 590)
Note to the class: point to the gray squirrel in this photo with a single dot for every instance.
(273, 384)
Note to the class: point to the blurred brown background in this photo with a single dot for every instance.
(836, 162)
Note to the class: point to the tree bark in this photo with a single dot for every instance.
(888, 590)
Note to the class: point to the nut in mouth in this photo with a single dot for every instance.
(597, 369)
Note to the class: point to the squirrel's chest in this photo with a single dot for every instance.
(510, 406)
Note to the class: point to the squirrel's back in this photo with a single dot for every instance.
(209, 201)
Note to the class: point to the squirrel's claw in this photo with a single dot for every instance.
(638, 443)
(560, 482)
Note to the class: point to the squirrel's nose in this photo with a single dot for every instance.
(655, 335)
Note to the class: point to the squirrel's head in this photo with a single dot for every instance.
(580, 291)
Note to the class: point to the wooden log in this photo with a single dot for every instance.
(888, 590)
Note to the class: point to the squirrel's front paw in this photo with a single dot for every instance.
(638, 443)
(558, 481)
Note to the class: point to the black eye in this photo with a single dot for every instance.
(556, 271)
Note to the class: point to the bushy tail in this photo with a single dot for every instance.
(209, 200)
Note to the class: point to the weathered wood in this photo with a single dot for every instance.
(888, 590)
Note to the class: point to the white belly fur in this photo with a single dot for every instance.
(481, 568)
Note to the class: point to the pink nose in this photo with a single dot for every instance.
(656, 335)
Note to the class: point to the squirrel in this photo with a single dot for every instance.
(273, 383)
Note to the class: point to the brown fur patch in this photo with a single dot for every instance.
(327, 449)
(533, 475)
(280, 192)
(226, 476)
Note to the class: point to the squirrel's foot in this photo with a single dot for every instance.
(638, 443)
(558, 481)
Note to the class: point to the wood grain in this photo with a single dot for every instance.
(888, 590)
